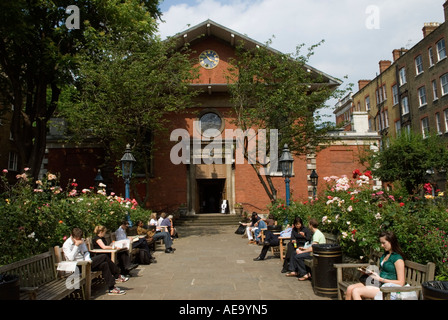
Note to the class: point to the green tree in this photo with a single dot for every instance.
(407, 158)
(38, 53)
(272, 90)
(124, 92)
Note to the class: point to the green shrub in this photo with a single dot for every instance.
(350, 209)
(35, 216)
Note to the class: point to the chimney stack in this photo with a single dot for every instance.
(384, 64)
(445, 9)
(429, 27)
(397, 53)
(362, 83)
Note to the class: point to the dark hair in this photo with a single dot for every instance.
(313, 222)
(297, 220)
(390, 236)
(77, 233)
(254, 217)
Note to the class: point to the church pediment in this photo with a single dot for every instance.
(209, 34)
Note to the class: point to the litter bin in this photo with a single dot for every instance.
(9, 287)
(435, 290)
(324, 273)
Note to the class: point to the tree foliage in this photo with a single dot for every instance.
(38, 54)
(407, 159)
(124, 92)
(272, 90)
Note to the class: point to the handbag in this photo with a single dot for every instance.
(241, 229)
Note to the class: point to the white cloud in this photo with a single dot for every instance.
(350, 48)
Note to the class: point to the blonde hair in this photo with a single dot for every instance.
(99, 229)
(154, 215)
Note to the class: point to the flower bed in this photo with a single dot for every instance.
(350, 209)
(35, 216)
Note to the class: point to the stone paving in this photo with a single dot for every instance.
(211, 263)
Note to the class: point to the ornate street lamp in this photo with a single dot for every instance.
(286, 161)
(313, 178)
(127, 164)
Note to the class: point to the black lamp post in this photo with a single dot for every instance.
(127, 164)
(313, 178)
(98, 179)
(286, 161)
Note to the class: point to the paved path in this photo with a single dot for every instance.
(211, 264)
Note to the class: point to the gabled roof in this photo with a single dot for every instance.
(211, 28)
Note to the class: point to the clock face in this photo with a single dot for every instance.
(212, 123)
(208, 59)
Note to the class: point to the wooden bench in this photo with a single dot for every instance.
(415, 274)
(40, 280)
(88, 276)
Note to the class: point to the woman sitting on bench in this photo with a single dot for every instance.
(391, 270)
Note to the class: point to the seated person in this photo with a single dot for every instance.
(153, 222)
(264, 223)
(142, 244)
(252, 226)
(259, 225)
(392, 270)
(168, 223)
(75, 249)
(124, 260)
(299, 236)
(270, 239)
(297, 264)
(156, 236)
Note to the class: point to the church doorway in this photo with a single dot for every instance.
(211, 192)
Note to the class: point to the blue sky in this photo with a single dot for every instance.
(357, 33)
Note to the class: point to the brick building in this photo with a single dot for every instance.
(202, 186)
(411, 92)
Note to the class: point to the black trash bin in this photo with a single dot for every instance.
(324, 273)
(435, 290)
(9, 287)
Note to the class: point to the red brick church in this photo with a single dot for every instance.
(203, 187)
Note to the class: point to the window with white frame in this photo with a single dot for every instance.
(407, 129)
(422, 96)
(438, 124)
(398, 127)
(12, 162)
(431, 57)
(435, 95)
(418, 65)
(444, 84)
(445, 114)
(395, 94)
(402, 76)
(441, 51)
(425, 127)
(404, 105)
(367, 103)
(370, 124)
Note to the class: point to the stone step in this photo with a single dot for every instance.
(210, 219)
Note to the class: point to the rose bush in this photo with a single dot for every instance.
(352, 210)
(37, 215)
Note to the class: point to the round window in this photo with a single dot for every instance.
(211, 124)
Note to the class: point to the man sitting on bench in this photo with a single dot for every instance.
(75, 249)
